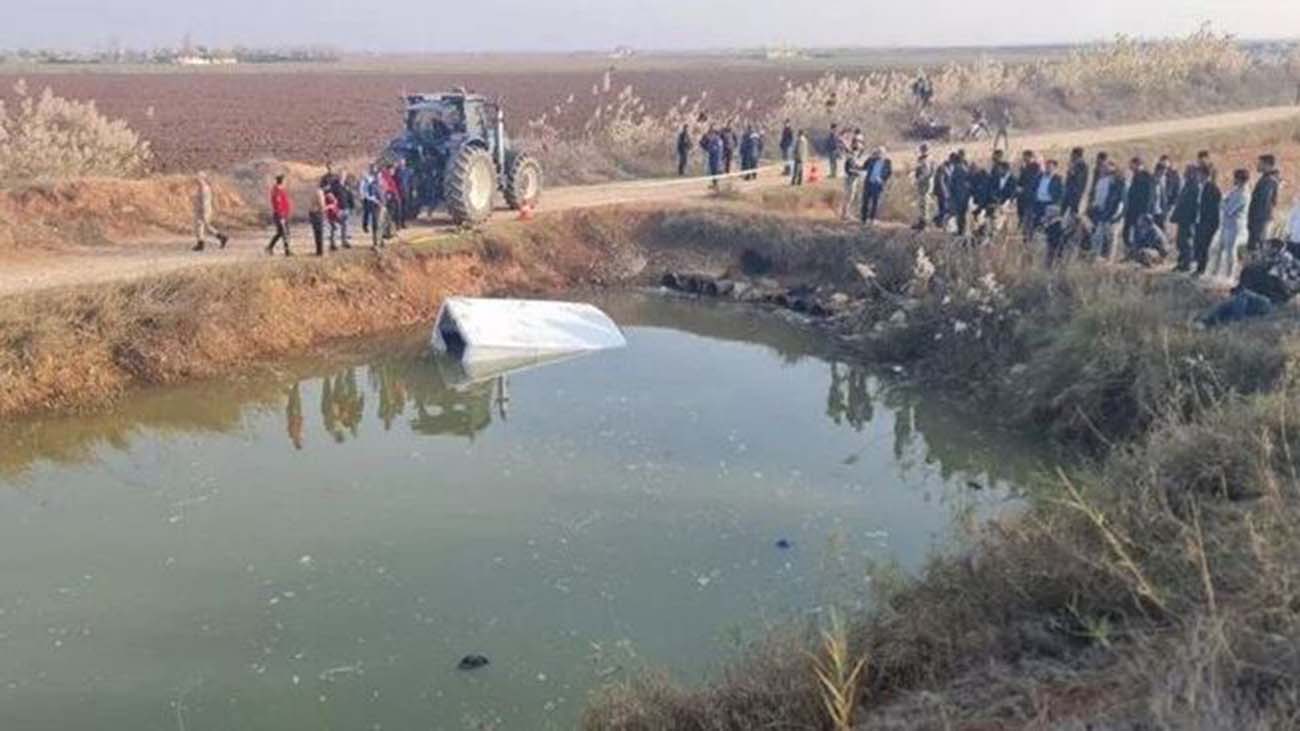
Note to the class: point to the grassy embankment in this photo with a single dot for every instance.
(1154, 585)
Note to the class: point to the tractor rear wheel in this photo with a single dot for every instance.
(471, 180)
(523, 181)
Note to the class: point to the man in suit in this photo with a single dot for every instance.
(1263, 202)
(1076, 182)
(1048, 192)
(1186, 214)
(878, 169)
(1141, 197)
(1168, 185)
(1026, 181)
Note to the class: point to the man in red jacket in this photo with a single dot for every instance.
(281, 209)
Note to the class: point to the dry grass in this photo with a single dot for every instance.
(49, 137)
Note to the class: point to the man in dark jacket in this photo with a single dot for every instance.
(1026, 181)
(961, 191)
(751, 149)
(787, 145)
(876, 171)
(834, 151)
(1049, 189)
(1263, 202)
(730, 146)
(1208, 223)
(1099, 167)
(1168, 185)
(1076, 182)
(711, 143)
(1185, 215)
(684, 145)
(1141, 198)
(943, 192)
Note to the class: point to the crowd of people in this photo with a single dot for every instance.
(384, 195)
(1105, 209)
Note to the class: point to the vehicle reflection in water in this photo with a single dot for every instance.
(430, 394)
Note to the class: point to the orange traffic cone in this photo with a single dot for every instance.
(526, 212)
(814, 173)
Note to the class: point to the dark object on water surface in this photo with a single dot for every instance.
(783, 544)
(974, 485)
(472, 662)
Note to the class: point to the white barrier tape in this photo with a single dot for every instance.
(669, 182)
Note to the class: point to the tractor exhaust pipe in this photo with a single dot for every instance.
(501, 139)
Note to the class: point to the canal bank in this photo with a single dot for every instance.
(1149, 587)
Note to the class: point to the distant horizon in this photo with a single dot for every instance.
(575, 26)
(667, 51)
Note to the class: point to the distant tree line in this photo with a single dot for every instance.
(240, 54)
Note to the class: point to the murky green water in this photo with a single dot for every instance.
(318, 549)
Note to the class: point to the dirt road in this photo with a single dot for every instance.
(158, 256)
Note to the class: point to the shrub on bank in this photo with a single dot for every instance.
(48, 137)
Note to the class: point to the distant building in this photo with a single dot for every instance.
(782, 53)
(622, 52)
(195, 60)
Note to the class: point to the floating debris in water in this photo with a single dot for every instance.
(783, 544)
(472, 662)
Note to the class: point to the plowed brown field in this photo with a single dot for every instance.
(216, 120)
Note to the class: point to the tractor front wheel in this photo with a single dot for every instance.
(470, 182)
(523, 182)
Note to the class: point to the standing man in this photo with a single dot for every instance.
(316, 212)
(1107, 209)
(787, 146)
(755, 140)
(961, 190)
(1233, 229)
(923, 179)
(1211, 216)
(1168, 185)
(1026, 184)
(684, 145)
(1003, 183)
(1186, 214)
(879, 169)
(281, 209)
(853, 172)
(729, 145)
(346, 201)
(1003, 136)
(370, 199)
(406, 209)
(203, 210)
(711, 143)
(1098, 169)
(834, 150)
(802, 155)
(1076, 183)
(1263, 202)
(923, 89)
(1141, 198)
(943, 192)
(1049, 189)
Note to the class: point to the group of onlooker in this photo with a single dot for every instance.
(721, 147)
(1102, 209)
(385, 195)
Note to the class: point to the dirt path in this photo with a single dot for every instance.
(162, 255)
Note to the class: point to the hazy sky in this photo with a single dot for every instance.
(460, 25)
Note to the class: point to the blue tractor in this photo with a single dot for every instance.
(455, 144)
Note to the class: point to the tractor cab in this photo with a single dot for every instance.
(431, 119)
